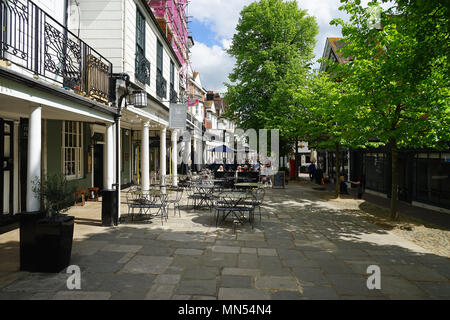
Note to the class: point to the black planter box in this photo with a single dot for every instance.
(45, 244)
(28, 239)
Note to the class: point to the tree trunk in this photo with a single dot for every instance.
(296, 159)
(394, 185)
(338, 165)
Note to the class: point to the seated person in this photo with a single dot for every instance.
(266, 174)
(257, 166)
(220, 169)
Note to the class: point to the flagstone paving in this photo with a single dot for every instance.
(304, 247)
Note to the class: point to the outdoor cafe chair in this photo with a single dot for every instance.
(134, 201)
(234, 204)
(156, 199)
(174, 197)
(257, 199)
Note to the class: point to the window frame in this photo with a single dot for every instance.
(159, 57)
(140, 30)
(75, 130)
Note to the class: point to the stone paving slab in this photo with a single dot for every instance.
(189, 252)
(277, 283)
(243, 294)
(396, 287)
(160, 292)
(233, 281)
(320, 293)
(202, 273)
(308, 249)
(81, 295)
(241, 272)
(197, 287)
(147, 264)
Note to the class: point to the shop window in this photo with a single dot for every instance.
(72, 149)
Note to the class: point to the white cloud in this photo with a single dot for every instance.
(222, 16)
(214, 65)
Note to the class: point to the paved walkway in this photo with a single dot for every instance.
(303, 248)
(424, 215)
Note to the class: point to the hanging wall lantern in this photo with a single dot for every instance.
(139, 99)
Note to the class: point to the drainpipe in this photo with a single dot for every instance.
(66, 14)
(119, 100)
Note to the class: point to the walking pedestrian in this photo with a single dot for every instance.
(311, 171)
(361, 185)
(318, 174)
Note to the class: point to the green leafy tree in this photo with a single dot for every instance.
(323, 112)
(55, 193)
(400, 72)
(273, 38)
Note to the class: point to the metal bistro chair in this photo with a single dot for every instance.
(234, 204)
(174, 197)
(193, 195)
(155, 199)
(133, 202)
(257, 199)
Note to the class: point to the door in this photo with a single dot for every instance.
(98, 166)
(6, 166)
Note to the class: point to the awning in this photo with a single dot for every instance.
(221, 148)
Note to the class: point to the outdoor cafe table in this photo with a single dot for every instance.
(234, 202)
(144, 198)
(248, 185)
(204, 191)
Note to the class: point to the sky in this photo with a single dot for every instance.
(212, 25)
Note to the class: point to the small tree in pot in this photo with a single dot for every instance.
(55, 193)
(46, 243)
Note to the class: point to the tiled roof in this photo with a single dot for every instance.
(335, 46)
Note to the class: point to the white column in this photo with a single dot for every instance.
(145, 157)
(109, 157)
(187, 151)
(162, 162)
(34, 157)
(118, 164)
(174, 158)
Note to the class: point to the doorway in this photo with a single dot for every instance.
(6, 167)
(98, 166)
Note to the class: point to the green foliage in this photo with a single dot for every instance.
(274, 39)
(400, 75)
(56, 194)
(400, 72)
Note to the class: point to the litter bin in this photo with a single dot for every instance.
(110, 215)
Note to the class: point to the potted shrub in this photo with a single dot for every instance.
(47, 236)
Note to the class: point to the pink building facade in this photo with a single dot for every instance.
(172, 17)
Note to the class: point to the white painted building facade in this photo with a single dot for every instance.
(55, 109)
(126, 32)
(51, 96)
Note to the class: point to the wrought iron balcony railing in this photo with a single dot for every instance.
(161, 85)
(33, 40)
(142, 68)
(173, 94)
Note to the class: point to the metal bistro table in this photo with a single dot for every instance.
(153, 199)
(204, 191)
(234, 203)
(248, 185)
